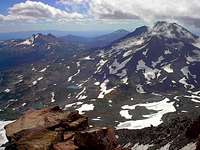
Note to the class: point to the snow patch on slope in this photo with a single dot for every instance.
(139, 89)
(71, 77)
(116, 66)
(43, 70)
(130, 43)
(162, 107)
(186, 85)
(195, 57)
(53, 97)
(168, 68)
(190, 146)
(101, 63)
(160, 59)
(125, 114)
(3, 138)
(148, 72)
(141, 147)
(85, 107)
(104, 90)
(73, 104)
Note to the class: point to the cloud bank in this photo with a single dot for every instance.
(147, 10)
(73, 1)
(183, 11)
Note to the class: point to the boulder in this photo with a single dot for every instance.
(194, 129)
(55, 129)
(69, 145)
(35, 139)
(79, 124)
(68, 135)
(96, 139)
(46, 118)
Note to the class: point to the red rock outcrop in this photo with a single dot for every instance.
(55, 129)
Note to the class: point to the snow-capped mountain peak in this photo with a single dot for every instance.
(38, 39)
(172, 30)
(152, 56)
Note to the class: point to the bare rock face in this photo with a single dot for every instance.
(36, 139)
(55, 129)
(45, 118)
(194, 129)
(90, 139)
(96, 138)
(68, 145)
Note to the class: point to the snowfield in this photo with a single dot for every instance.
(3, 138)
(85, 107)
(162, 107)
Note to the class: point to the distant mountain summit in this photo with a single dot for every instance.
(39, 40)
(35, 48)
(172, 30)
(96, 42)
(163, 56)
(137, 32)
(123, 31)
(40, 46)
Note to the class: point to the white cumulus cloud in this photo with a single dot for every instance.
(183, 11)
(147, 10)
(34, 11)
(73, 1)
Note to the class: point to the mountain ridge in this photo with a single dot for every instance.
(40, 47)
(146, 79)
(98, 41)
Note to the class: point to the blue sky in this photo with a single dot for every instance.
(94, 15)
(6, 4)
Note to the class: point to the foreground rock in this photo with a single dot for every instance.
(46, 118)
(55, 129)
(36, 138)
(96, 138)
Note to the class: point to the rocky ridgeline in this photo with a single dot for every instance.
(55, 129)
(177, 133)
